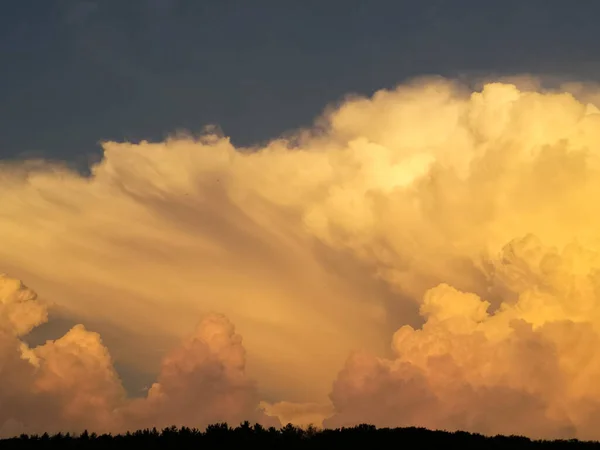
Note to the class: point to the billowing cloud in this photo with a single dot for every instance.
(70, 384)
(203, 381)
(528, 367)
(461, 223)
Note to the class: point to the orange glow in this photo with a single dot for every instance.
(460, 226)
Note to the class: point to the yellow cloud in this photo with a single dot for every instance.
(462, 223)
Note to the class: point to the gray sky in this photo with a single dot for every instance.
(74, 72)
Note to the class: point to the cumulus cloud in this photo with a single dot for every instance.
(525, 368)
(20, 311)
(70, 384)
(461, 222)
(201, 382)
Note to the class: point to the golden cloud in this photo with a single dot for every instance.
(461, 222)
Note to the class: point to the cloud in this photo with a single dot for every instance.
(526, 368)
(461, 222)
(20, 311)
(299, 414)
(70, 384)
(151, 246)
(203, 381)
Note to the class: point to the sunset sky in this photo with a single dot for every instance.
(317, 212)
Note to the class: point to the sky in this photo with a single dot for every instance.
(324, 212)
(78, 72)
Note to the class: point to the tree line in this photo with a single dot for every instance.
(287, 437)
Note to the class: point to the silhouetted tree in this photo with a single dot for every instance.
(288, 437)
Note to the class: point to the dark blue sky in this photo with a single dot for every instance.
(74, 72)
